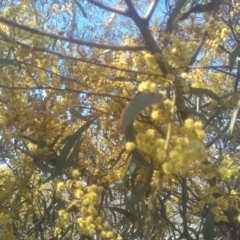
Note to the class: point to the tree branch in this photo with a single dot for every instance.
(72, 40)
(109, 8)
(193, 58)
(65, 90)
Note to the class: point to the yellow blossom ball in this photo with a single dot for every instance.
(61, 186)
(186, 88)
(155, 115)
(75, 173)
(166, 85)
(184, 75)
(78, 184)
(79, 193)
(130, 146)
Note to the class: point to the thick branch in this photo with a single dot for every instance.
(109, 8)
(142, 24)
(72, 40)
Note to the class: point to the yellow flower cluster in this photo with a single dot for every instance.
(163, 114)
(216, 34)
(130, 146)
(147, 86)
(5, 219)
(188, 151)
(87, 201)
(152, 146)
(6, 227)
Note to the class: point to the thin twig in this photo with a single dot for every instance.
(63, 90)
(72, 40)
(109, 8)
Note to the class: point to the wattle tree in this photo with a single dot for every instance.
(119, 119)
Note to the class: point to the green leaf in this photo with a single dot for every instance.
(179, 5)
(208, 227)
(202, 91)
(74, 153)
(195, 113)
(63, 157)
(41, 144)
(75, 113)
(137, 104)
(135, 197)
(216, 114)
(81, 8)
(4, 61)
(130, 216)
(235, 53)
(233, 119)
(140, 159)
(131, 168)
(129, 133)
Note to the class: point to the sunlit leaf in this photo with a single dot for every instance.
(138, 103)
(233, 119)
(235, 53)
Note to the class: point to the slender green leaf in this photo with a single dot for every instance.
(179, 5)
(235, 53)
(81, 8)
(130, 216)
(131, 168)
(208, 227)
(129, 133)
(202, 91)
(4, 61)
(233, 119)
(195, 113)
(63, 157)
(74, 153)
(138, 103)
(216, 114)
(75, 113)
(135, 197)
(140, 159)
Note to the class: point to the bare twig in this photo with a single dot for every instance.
(72, 40)
(193, 58)
(109, 8)
(63, 90)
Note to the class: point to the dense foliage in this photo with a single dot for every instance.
(119, 119)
